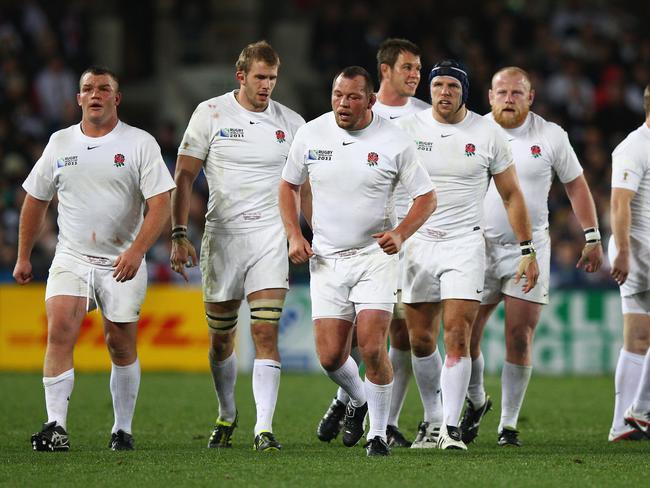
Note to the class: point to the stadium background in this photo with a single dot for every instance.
(589, 61)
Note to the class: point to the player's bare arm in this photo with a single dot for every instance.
(620, 222)
(31, 221)
(306, 201)
(183, 253)
(585, 211)
(423, 206)
(508, 187)
(289, 200)
(128, 263)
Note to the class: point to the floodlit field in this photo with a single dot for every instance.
(564, 428)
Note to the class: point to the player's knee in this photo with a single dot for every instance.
(222, 323)
(331, 360)
(266, 311)
(119, 349)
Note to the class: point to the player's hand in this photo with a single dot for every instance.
(23, 272)
(390, 241)
(183, 256)
(127, 265)
(592, 257)
(299, 250)
(528, 268)
(620, 267)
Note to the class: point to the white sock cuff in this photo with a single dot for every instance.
(53, 380)
(398, 354)
(424, 359)
(631, 356)
(479, 358)
(227, 361)
(267, 362)
(378, 388)
(518, 366)
(134, 365)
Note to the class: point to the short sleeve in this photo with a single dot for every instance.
(501, 157)
(197, 137)
(565, 162)
(628, 168)
(411, 174)
(40, 182)
(154, 175)
(295, 169)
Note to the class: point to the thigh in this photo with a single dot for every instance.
(268, 260)
(636, 332)
(372, 327)
(69, 277)
(65, 313)
(333, 341)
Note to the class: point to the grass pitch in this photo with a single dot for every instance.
(564, 427)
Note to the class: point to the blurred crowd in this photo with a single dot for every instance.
(589, 60)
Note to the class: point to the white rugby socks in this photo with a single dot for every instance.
(341, 395)
(427, 372)
(642, 397)
(626, 381)
(453, 381)
(378, 406)
(514, 381)
(347, 377)
(476, 390)
(57, 396)
(124, 385)
(224, 376)
(266, 383)
(401, 361)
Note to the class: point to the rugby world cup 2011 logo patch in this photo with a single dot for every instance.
(470, 150)
(373, 159)
(279, 136)
(535, 151)
(231, 133)
(118, 160)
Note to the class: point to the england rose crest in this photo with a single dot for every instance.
(373, 159)
(119, 160)
(470, 150)
(535, 151)
(279, 136)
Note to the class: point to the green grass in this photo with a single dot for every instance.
(564, 428)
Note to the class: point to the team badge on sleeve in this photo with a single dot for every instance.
(279, 136)
(119, 160)
(470, 150)
(373, 159)
(535, 151)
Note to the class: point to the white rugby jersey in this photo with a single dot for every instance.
(353, 176)
(102, 184)
(243, 153)
(541, 149)
(631, 170)
(460, 158)
(413, 105)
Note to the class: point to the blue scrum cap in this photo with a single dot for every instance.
(450, 67)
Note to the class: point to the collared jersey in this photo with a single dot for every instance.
(243, 153)
(460, 158)
(631, 170)
(353, 176)
(390, 112)
(541, 149)
(102, 184)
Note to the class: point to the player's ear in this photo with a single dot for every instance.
(531, 96)
(118, 98)
(241, 77)
(372, 100)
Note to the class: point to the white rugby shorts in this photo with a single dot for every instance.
(342, 287)
(638, 280)
(445, 269)
(119, 302)
(234, 265)
(501, 263)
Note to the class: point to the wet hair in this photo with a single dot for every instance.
(101, 70)
(257, 51)
(352, 72)
(390, 49)
(451, 67)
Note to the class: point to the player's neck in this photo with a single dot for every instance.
(647, 121)
(391, 98)
(98, 130)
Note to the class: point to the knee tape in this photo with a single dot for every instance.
(222, 323)
(266, 310)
